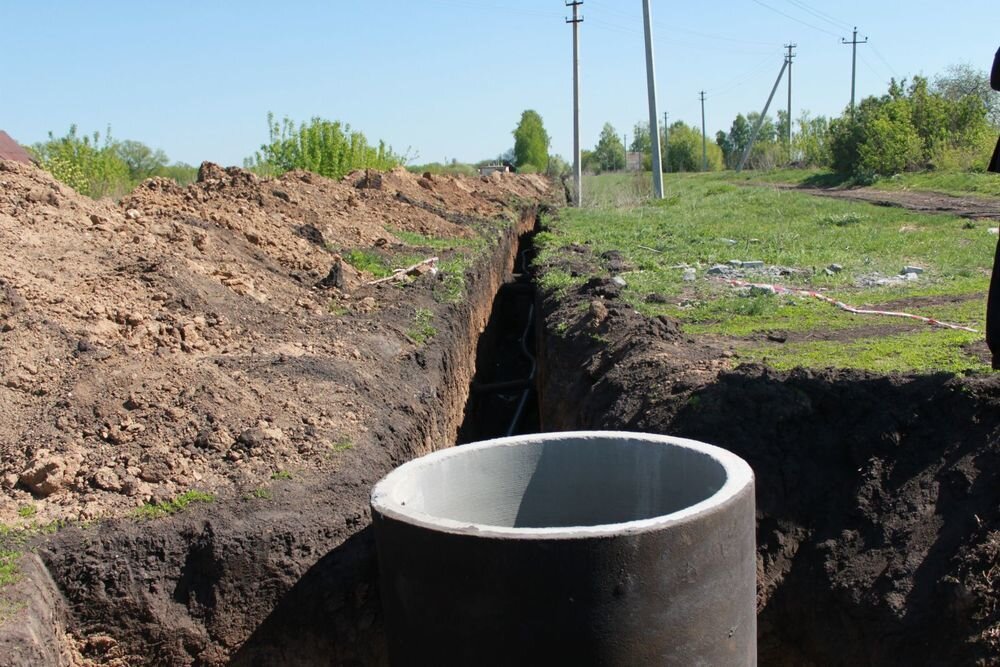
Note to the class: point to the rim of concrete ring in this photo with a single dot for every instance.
(739, 476)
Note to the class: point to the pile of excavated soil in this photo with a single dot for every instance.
(878, 496)
(205, 337)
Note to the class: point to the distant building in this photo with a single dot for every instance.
(633, 161)
(488, 169)
(11, 150)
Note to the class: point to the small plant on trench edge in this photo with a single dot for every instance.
(422, 329)
(178, 504)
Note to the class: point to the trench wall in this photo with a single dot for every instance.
(295, 583)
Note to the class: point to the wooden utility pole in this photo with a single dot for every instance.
(654, 124)
(577, 166)
(854, 60)
(704, 140)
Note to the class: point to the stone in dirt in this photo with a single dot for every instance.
(48, 472)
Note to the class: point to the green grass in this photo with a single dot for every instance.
(281, 474)
(366, 260)
(422, 330)
(9, 571)
(178, 504)
(261, 493)
(26, 511)
(705, 220)
(342, 445)
(923, 352)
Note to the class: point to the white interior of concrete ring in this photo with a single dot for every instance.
(562, 485)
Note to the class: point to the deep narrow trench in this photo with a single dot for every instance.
(503, 399)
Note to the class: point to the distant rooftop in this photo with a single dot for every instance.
(11, 150)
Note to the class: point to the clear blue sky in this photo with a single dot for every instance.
(448, 78)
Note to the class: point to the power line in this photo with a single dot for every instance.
(793, 18)
(667, 41)
(823, 16)
(892, 70)
(672, 28)
(741, 79)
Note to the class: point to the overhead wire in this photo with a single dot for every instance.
(794, 18)
(676, 28)
(739, 80)
(823, 16)
(878, 54)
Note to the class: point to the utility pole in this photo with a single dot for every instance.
(625, 146)
(577, 166)
(854, 60)
(789, 57)
(654, 125)
(666, 144)
(760, 121)
(704, 141)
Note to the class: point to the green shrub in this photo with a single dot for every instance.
(323, 147)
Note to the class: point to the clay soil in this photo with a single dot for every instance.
(212, 338)
(878, 496)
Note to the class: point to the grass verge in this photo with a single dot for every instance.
(669, 245)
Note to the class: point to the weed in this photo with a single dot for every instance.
(366, 260)
(261, 493)
(9, 571)
(281, 474)
(337, 309)
(422, 329)
(178, 504)
(842, 219)
(342, 445)
(27, 511)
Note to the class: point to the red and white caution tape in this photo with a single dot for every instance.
(778, 289)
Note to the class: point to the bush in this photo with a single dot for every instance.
(908, 129)
(86, 164)
(323, 147)
(105, 169)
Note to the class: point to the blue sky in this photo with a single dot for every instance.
(447, 78)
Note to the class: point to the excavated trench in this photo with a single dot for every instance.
(878, 497)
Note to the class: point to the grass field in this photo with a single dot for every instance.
(705, 220)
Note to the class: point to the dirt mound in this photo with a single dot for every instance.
(185, 338)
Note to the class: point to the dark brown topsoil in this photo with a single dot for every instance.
(878, 496)
(976, 208)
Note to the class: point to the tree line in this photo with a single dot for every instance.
(950, 124)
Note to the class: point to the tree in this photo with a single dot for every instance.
(531, 141)
(735, 141)
(641, 143)
(89, 165)
(610, 151)
(959, 81)
(685, 149)
(142, 160)
(910, 128)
